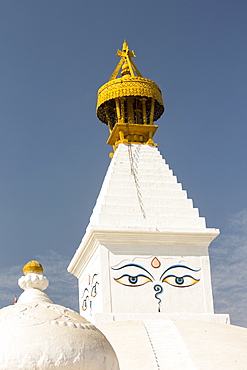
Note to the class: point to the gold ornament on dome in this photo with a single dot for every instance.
(33, 267)
(129, 103)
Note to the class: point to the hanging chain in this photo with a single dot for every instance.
(134, 174)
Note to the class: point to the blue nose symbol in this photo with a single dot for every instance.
(158, 289)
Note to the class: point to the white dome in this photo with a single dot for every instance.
(37, 334)
(177, 344)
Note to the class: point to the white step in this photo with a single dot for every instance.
(153, 200)
(152, 211)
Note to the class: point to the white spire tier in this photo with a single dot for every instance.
(140, 191)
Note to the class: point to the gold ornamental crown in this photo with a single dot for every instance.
(129, 103)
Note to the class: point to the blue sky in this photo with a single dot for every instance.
(54, 57)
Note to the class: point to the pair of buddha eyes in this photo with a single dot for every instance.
(182, 281)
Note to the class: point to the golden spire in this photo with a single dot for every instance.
(128, 66)
(129, 104)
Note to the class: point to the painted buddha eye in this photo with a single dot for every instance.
(129, 280)
(133, 279)
(180, 281)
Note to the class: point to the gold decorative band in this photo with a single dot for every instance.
(130, 86)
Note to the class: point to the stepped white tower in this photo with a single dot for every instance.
(143, 264)
(146, 248)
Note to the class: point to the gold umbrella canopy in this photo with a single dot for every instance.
(129, 98)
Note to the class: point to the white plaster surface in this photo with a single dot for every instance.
(102, 318)
(90, 288)
(114, 296)
(140, 190)
(39, 335)
(142, 212)
(171, 299)
(32, 281)
(177, 344)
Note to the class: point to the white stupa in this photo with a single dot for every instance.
(36, 334)
(143, 264)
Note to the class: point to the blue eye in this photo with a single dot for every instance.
(133, 279)
(130, 280)
(179, 280)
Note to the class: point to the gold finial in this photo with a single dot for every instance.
(129, 104)
(33, 267)
(127, 64)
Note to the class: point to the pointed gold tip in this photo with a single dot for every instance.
(129, 68)
(125, 46)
